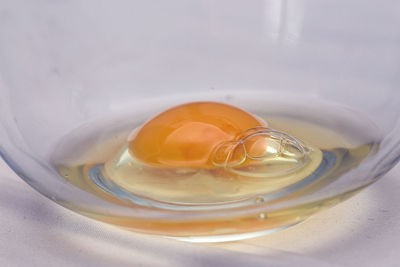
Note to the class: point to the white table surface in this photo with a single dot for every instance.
(362, 231)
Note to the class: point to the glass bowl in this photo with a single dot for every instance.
(74, 72)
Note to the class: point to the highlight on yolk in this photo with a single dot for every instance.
(188, 135)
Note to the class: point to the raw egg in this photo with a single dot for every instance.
(187, 136)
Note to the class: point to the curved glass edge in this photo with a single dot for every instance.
(389, 156)
(9, 131)
(229, 238)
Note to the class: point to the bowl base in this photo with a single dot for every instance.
(229, 238)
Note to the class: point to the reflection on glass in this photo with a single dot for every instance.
(284, 20)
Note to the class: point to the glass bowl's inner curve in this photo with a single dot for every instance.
(338, 140)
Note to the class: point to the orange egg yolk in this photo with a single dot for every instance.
(187, 135)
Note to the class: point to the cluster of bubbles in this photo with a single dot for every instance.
(257, 149)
